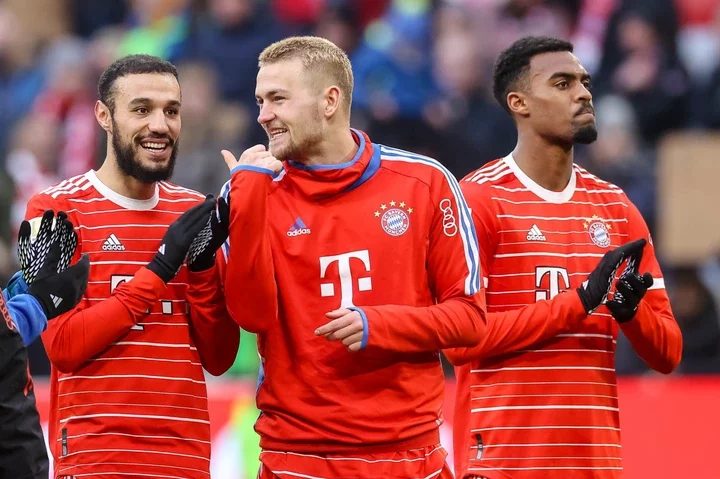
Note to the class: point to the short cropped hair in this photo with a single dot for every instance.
(316, 54)
(130, 65)
(510, 72)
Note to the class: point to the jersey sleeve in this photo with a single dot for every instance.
(458, 317)
(517, 329)
(73, 338)
(653, 332)
(216, 335)
(252, 297)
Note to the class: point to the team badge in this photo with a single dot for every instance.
(394, 217)
(599, 231)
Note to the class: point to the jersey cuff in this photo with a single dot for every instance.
(366, 327)
(256, 169)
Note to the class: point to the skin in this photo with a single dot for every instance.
(552, 115)
(308, 112)
(147, 110)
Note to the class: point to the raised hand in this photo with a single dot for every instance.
(256, 156)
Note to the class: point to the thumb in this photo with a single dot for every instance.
(229, 158)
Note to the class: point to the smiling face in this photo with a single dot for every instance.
(146, 125)
(557, 103)
(290, 102)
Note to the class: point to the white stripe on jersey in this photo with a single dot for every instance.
(137, 416)
(542, 202)
(124, 376)
(467, 229)
(552, 407)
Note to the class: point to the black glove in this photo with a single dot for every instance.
(178, 238)
(594, 291)
(32, 254)
(57, 292)
(201, 255)
(629, 290)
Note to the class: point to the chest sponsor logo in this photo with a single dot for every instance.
(599, 231)
(347, 281)
(394, 217)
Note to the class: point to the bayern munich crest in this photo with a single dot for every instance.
(599, 231)
(394, 217)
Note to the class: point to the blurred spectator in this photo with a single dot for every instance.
(89, 16)
(618, 155)
(69, 99)
(209, 125)
(21, 78)
(157, 27)
(642, 64)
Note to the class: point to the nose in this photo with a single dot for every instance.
(266, 114)
(584, 95)
(158, 123)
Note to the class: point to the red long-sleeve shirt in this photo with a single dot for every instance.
(388, 233)
(127, 385)
(537, 397)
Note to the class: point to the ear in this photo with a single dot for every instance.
(103, 116)
(333, 97)
(517, 102)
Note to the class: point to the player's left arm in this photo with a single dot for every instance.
(458, 319)
(652, 331)
(215, 333)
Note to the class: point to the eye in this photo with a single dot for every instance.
(172, 112)
(278, 99)
(142, 110)
(562, 84)
(587, 84)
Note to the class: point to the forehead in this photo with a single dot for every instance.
(282, 75)
(543, 66)
(161, 87)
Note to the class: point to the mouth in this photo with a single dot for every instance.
(274, 133)
(586, 111)
(156, 146)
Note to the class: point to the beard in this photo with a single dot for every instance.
(305, 144)
(585, 134)
(126, 155)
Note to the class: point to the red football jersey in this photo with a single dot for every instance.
(128, 393)
(537, 398)
(388, 233)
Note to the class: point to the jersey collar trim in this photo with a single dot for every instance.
(547, 195)
(120, 200)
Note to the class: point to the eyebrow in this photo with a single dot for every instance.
(569, 76)
(145, 101)
(273, 92)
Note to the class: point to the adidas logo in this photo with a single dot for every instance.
(298, 228)
(113, 244)
(535, 234)
(56, 300)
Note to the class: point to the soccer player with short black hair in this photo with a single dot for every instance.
(128, 395)
(537, 397)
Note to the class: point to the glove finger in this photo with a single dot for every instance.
(616, 309)
(223, 211)
(68, 244)
(632, 248)
(629, 294)
(81, 272)
(45, 229)
(648, 280)
(24, 245)
(51, 260)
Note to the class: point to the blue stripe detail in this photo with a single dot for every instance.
(256, 169)
(366, 326)
(372, 168)
(225, 193)
(359, 153)
(260, 378)
(466, 224)
(300, 223)
(28, 315)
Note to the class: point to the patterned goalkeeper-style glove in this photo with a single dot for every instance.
(629, 291)
(203, 248)
(178, 238)
(595, 290)
(32, 254)
(44, 262)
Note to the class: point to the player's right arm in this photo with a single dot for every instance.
(251, 289)
(518, 329)
(77, 336)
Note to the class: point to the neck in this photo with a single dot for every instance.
(113, 177)
(547, 164)
(334, 149)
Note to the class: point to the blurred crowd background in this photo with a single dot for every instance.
(423, 83)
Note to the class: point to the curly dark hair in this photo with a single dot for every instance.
(512, 66)
(130, 65)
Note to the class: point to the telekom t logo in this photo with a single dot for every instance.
(555, 274)
(346, 279)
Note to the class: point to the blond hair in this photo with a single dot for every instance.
(317, 55)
